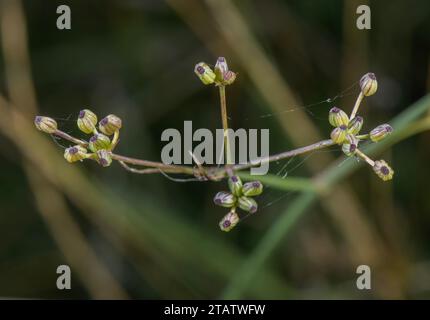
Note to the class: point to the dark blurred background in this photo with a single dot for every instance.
(145, 236)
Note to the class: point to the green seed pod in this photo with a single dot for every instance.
(338, 135)
(87, 121)
(337, 117)
(355, 125)
(229, 221)
(380, 132)
(109, 124)
(205, 73)
(99, 141)
(383, 170)
(350, 147)
(75, 153)
(235, 185)
(225, 199)
(247, 204)
(253, 188)
(104, 158)
(45, 124)
(368, 84)
(229, 77)
(220, 69)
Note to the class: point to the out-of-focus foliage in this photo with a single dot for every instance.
(135, 59)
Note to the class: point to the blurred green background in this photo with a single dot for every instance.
(144, 236)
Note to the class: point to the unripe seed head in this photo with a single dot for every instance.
(75, 153)
(337, 117)
(87, 121)
(45, 124)
(383, 170)
(98, 142)
(225, 199)
(247, 204)
(368, 84)
(205, 73)
(229, 77)
(235, 185)
(355, 125)
(229, 221)
(338, 135)
(380, 132)
(109, 124)
(104, 158)
(253, 188)
(221, 68)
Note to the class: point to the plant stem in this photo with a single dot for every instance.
(287, 154)
(363, 136)
(364, 157)
(115, 140)
(357, 105)
(223, 104)
(66, 136)
(212, 172)
(147, 170)
(153, 164)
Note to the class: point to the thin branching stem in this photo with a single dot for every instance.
(365, 157)
(224, 117)
(356, 105)
(212, 172)
(68, 137)
(153, 164)
(287, 154)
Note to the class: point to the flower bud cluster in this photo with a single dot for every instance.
(99, 146)
(220, 75)
(347, 129)
(240, 196)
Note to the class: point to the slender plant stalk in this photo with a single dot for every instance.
(68, 137)
(212, 172)
(147, 170)
(364, 157)
(153, 164)
(363, 136)
(224, 117)
(357, 105)
(287, 154)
